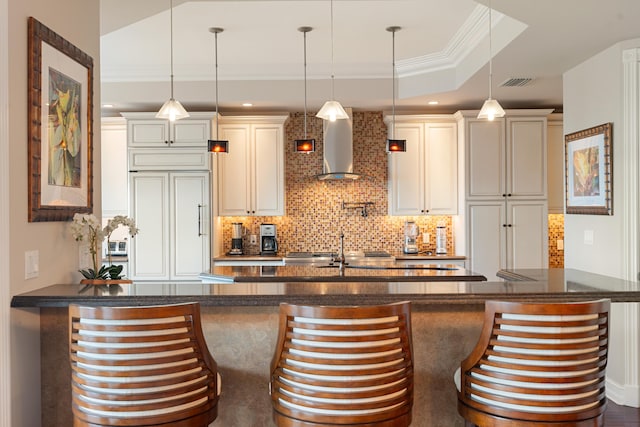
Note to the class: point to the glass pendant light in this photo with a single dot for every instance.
(217, 145)
(172, 109)
(491, 108)
(305, 145)
(332, 110)
(394, 145)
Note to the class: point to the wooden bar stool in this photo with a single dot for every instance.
(343, 366)
(537, 364)
(141, 366)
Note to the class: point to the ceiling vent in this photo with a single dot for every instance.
(516, 82)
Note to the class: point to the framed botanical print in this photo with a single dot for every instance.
(60, 126)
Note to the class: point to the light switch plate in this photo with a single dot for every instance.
(560, 244)
(425, 238)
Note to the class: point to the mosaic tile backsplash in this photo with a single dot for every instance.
(556, 232)
(315, 216)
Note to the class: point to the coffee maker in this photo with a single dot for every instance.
(236, 239)
(268, 242)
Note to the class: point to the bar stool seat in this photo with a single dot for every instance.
(141, 366)
(537, 364)
(343, 366)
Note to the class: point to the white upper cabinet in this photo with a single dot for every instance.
(251, 174)
(144, 130)
(424, 179)
(555, 164)
(506, 158)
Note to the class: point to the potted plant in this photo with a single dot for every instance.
(87, 228)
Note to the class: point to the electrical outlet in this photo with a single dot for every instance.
(31, 264)
(560, 244)
(253, 239)
(84, 257)
(588, 237)
(425, 238)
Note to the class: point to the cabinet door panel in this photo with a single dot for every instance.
(189, 229)
(406, 171)
(441, 163)
(527, 237)
(150, 208)
(268, 165)
(555, 167)
(191, 133)
(527, 157)
(485, 159)
(114, 171)
(148, 133)
(233, 173)
(486, 237)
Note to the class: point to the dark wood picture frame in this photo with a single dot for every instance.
(589, 171)
(60, 113)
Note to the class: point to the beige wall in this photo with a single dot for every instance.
(77, 21)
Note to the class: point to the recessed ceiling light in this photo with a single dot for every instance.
(107, 105)
(433, 102)
(247, 104)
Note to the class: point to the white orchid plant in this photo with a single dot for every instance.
(87, 228)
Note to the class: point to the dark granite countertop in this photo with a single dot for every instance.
(354, 272)
(546, 285)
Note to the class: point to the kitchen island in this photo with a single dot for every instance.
(240, 323)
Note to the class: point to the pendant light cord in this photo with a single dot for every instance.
(393, 83)
(304, 33)
(171, 42)
(490, 53)
(216, 58)
(332, 66)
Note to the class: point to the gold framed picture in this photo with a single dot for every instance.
(60, 126)
(589, 171)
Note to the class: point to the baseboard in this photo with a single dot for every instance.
(623, 395)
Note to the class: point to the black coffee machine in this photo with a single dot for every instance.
(268, 242)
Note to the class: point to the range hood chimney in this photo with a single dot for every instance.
(338, 149)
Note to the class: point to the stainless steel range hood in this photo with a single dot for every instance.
(338, 149)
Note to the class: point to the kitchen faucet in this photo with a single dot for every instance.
(340, 257)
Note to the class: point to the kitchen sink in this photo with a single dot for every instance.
(393, 267)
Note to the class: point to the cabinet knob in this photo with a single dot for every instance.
(504, 225)
(504, 195)
(166, 142)
(509, 195)
(509, 225)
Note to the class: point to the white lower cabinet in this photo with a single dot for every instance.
(172, 212)
(506, 235)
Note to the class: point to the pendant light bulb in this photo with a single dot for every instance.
(172, 109)
(332, 110)
(491, 107)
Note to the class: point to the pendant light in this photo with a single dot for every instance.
(306, 145)
(332, 110)
(217, 145)
(491, 108)
(172, 109)
(394, 145)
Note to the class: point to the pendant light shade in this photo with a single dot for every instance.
(332, 110)
(491, 108)
(172, 110)
(217, 145)
(394, 145)
(305, 145)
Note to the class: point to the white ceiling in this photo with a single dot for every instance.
(441, 53)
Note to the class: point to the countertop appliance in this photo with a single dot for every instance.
(268, 241)
(236, 239)
(411, 232)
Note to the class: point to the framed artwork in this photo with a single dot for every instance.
(589, 168)
(60, 126)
